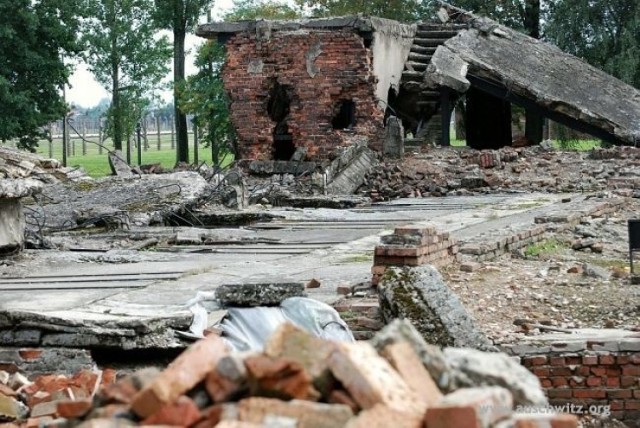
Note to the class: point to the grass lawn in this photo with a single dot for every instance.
(95, 160)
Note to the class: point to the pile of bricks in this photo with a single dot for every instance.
(298, 380)
(343, 72)
(413, 245)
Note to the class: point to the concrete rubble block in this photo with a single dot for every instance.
(11, 409)
(303, 414)
(420, 295)
(118, 164)
(539, 420)
(407, 363)
(371, 380)
(279, 377)
(432, 357)
(393, 143)
(381, 416)
(259, 294)
(470, 408)
(473, 368)
(12, 225)
(190, 368)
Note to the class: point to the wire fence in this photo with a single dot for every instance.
(87, 146)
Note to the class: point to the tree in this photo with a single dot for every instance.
(179, 16)
(127, 58)
(35, 36)
(400, 10)
(204, 97)
(256, 9)
(606, 33)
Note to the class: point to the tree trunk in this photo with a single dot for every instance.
(182, 152)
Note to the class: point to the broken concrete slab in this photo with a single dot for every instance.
(419, 295)
(536, 74)
(259, 294)
(119, 165)
(148, 199)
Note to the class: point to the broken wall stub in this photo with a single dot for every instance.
(12, 219)
(300, 88)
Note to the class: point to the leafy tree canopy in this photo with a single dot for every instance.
(35, 37)
(401, 10)
(606, 33)
(127, 58)
(256, 9)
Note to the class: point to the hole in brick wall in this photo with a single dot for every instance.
(346, 116)
(278, 108)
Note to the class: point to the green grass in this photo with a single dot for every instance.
(95, 160)
(548, 246)
(570, 145)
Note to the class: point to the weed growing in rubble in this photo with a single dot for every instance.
(548, 246)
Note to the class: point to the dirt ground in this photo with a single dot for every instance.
(552, 284)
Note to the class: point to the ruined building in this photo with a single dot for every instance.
(319, 84)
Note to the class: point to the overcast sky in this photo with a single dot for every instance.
(84, 91)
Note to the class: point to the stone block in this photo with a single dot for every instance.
(470, 408)
(259, 294)
(190, 368)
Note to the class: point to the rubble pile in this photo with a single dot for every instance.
(462, 171)
(297, 381)
(17, 164)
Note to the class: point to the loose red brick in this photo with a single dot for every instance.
(407, 363)
(307, 414)
(371, 380)
(538, 420)
(280, 377)
(184, 373)
(74, 409)
(470, 408)
(182, 412)
(380, 416)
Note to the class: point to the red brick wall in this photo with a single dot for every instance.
(588, 379)
(344, 73)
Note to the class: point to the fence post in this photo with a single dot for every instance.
(158, 131)
(84, 139)
(100, 139)
(144, 134)
(195, 142)
(50, 140)
(129, 149)
(173, 136)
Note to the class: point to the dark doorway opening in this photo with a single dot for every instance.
(346, 116)
(488, 120)
(278, 107)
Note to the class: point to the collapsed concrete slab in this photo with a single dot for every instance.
(419, 295)
(510, 66)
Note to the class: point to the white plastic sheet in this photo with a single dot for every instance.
(247, 329)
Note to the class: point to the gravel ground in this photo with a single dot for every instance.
(552, 284)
